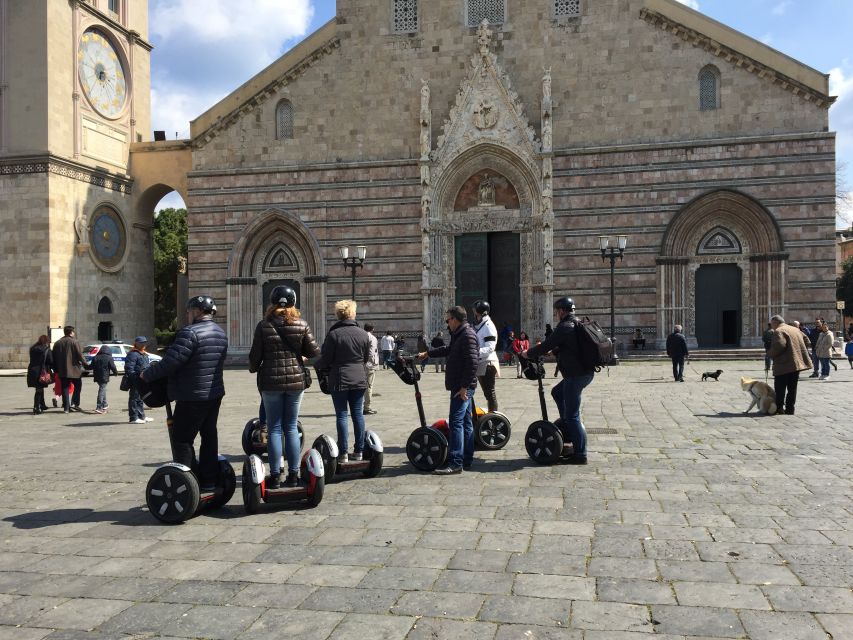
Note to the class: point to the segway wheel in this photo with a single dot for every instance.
(426, 449)
(492, 432)
(375, 467)
(172, 494)
(330, 462)
(227, 481)
(544, 442)
(251, 491)
(248, 439)
(316, 488)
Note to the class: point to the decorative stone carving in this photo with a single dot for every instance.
(81, 228)
(484, 38)
(485, 115)
(426, 122)
(486, 192)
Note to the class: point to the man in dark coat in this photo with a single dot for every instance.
(102, 366)
(194, 365)
(69, 364)
(676, 349)
(460, 378)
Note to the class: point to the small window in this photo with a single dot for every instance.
(105, 305)
(405, 16)
(492, 10)
(567, 8)
(709, 88)
(284, 120)
(112, 5)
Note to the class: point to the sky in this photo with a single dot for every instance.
(204, 49)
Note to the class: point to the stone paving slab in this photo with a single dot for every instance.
(692, 521)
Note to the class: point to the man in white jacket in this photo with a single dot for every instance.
(488, 367)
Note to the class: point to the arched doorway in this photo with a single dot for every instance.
(275, 248)
(105, 325)
(721, 271)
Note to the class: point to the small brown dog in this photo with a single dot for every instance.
(761, 394)
(712, 374)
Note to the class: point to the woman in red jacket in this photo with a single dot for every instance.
(519, 345)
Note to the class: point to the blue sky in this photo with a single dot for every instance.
(204, 49)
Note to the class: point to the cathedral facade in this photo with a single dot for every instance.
(475, 148)
(479, 148)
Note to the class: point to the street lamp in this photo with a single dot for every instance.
(354, 263)
(612, 252)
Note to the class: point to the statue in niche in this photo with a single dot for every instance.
(81, 226)
(484, 37)
(182, 264)
(546, 84)
(486, 193)
(426, 201)
(424, 174)
(426, 121)
(485, 115)
(546, 132)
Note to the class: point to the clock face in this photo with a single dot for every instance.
(101, 74)
(108, 239)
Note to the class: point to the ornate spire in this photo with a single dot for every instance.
(484, 37)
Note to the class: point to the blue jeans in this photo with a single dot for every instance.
(815, 361)
(354, 400)
(282, 409)
(461, 430)
(135, 407)
(567, 395)
(102, 396)
(824, 366)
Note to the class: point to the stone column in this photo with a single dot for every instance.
(242, 309)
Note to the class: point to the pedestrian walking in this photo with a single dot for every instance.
(136, 362)
(790, 356)
(102, 366)
(438, 341)
(281, 342)
(767, 338)
(40, 372)
(823, 350)
(676, 349)
(519, 346)
(848, 351)
(69, 364)
(386, 345)
(372, 365)
(460, 379)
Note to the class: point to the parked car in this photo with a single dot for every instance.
(119, 351)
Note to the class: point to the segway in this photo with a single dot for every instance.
(427, 446)
(369, 467)
(310, 489)
(491, 430)
(254, 438)
(544, 440)
(173, 494)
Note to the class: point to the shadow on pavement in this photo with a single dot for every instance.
(136, 516)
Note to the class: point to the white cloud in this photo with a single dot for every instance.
(204, 49)
(841, 121)
(693, 4)
(782, 8)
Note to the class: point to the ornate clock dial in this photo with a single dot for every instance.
(101, 74)
(108, 237)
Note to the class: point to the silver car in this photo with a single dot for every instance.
(119, 351)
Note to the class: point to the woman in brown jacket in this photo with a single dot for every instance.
(282, 340)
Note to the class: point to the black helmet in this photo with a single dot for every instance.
(481, 307)
(283, 296)
(564, 303)
(205, 303)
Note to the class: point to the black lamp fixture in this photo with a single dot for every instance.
(356, 262)
(612, 252)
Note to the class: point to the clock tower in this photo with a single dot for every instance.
(74, 96)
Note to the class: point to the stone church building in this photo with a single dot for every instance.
(478, 149)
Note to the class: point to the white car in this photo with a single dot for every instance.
(119, 351)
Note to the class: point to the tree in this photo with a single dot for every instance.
(170, 244)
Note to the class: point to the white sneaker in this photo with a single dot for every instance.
(137, 421)
(149, 419)
(825, 378)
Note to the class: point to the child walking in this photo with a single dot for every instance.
(102, 366)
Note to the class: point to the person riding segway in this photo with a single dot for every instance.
(576, 376)
(491, 428)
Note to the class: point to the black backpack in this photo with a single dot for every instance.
(594, 348)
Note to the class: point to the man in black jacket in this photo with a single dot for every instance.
(194, 365)
(576, 376)
(676, 349)
(460, 378)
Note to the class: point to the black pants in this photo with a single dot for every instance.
(678, 368)
(487, 383)
(38, 399)
(74, 401)
(786, 391)
(191, 419)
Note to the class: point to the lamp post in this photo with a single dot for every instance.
(612, 252)
(354, 263)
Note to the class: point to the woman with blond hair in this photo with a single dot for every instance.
(282, 341)
(346, 352)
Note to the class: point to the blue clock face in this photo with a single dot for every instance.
(108, 237)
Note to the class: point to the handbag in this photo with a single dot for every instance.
(307, 380)
(125, 383)
(45, 379)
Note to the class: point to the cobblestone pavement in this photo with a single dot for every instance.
(691, 520)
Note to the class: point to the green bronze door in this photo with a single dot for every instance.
(472, 269)
(488, 268)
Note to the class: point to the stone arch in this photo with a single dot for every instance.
(249, 270)
(443, 223)
(758, 251)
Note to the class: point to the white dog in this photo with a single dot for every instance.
(761, 393)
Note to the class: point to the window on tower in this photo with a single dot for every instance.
(709, 88)
(284, 120)
(567, 8)
(492, 10)
(405, 16)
